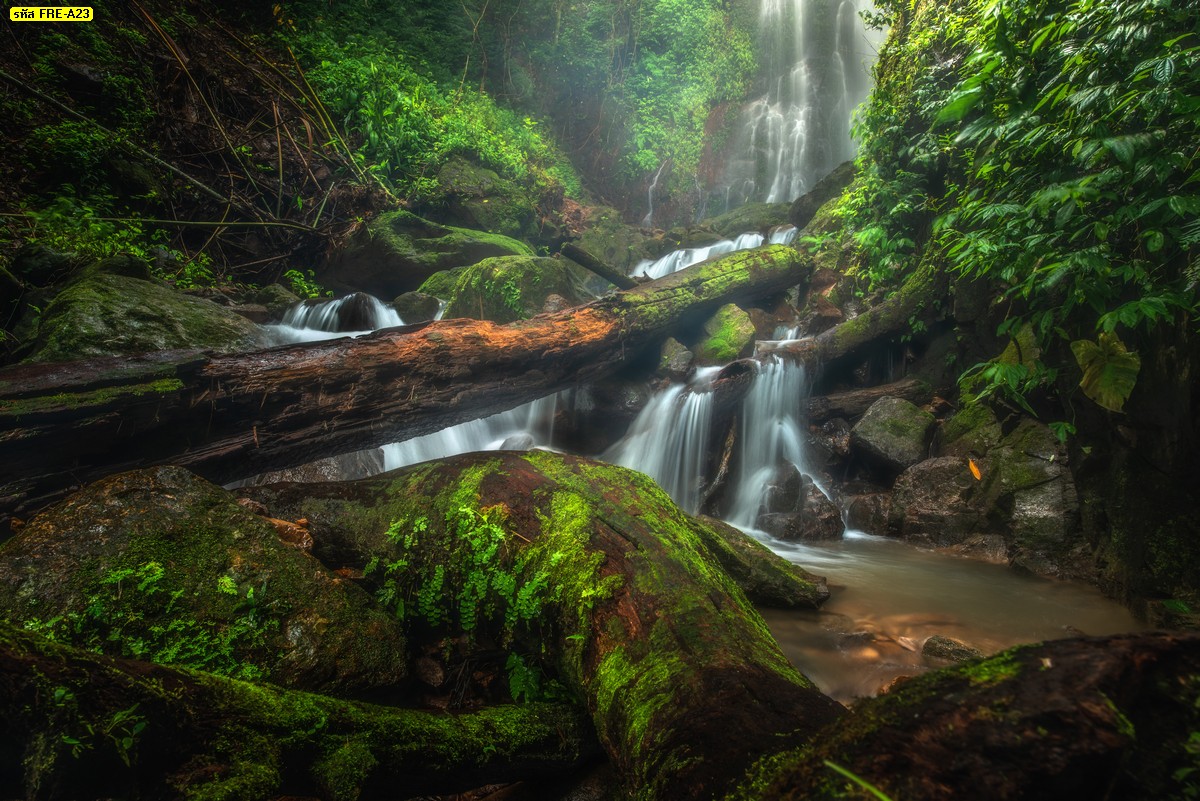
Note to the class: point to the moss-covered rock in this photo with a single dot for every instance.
(595, 568)
(160, 565)
(728, 335)
(759, 217)
(509, 288)
(475, 197)
(893, 434)
(105, 314)
(417, 307)
(608, 238)
(972, 430)
(397, 251)
(949, 649)
(277, 298)
(804, 208)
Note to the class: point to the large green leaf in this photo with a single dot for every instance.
(1109, 370)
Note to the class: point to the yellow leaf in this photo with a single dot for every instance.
(975, 470)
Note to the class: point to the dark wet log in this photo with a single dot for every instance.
(228, 417)
(852, 404)
(643, 616)
(1109, 717)
(591, 263)
(80, 725)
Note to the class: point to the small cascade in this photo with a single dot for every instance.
(769, 435)
(648, 220)
(353, 315)
(669, 439)
(522, 428)
(678, 259)
(816, 56)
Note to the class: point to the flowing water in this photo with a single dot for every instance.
(351, 316)
(679, 259)
(669, 439)
(816, 57)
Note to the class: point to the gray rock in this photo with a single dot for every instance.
(416, 307)
(676, 362)
(277, 298)
(869, 512)
(893, 434)
(816, 519)
(938, 502)
(948, 648)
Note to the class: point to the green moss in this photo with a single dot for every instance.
(509, 288)
(91, 398)
(729, 335)
(1001, 667)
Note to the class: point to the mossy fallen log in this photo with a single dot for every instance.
(80, 725)
(228, 417)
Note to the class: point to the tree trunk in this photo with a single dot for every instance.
(854, 403)
(228, 417)
(593, 264)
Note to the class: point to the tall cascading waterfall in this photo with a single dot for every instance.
(669, 439)
(816, 57)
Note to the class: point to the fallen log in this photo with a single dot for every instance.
(229, 417)
(854, 403)
(89, 726)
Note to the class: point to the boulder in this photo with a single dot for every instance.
(162, 566)
(869, 512)
(760, 217)
(397, 251)
(476, 197)
(795, 509)
(277, 298)
(805, 207)
(973, 430)
(607, 237)
(106, 314)
(938, 502)
(949, 649)
(509, 288)
(893, 434)
(675, 361)
(728, 335)
(416, 307)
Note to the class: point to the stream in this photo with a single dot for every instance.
(887, 597)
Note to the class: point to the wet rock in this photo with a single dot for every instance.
(805, 207)
(986, 547)
(254, 312)
(729, 389)
(817, 519)
(869, 512)
(160, 565)
(607, 237)
(759, 217)
(416, 307)
(938, 502)
(675, 361)
(767, 579)
(397, 251)
(555, 303)
(728, 335)
(950, 649)
(277, 298)
(972, 430)
(829, 444)
(893, 434)
(820, 315)
(344, 467)
(102, 314)
(509, 288)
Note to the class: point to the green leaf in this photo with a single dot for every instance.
(1109, 370)
(1164, 70)
(960, 105)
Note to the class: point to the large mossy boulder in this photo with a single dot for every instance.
(759, 217)
(507, 288)
(893, 434)
(163, 566)
(106, 313)
(397, 251)
(804, 208)
(617, 244)
(728, 335)
(476, 197)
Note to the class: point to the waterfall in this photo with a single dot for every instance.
(648, 220)
(816, 57)
(769, 434)
(528, 426)
(678, 259)
(353, 315)
(669, 439)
